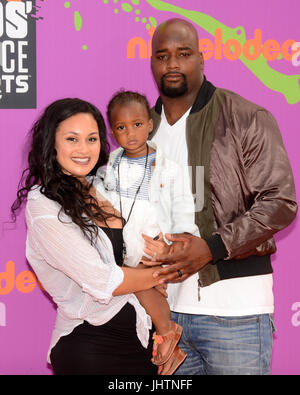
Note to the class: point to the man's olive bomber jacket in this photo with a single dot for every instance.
(249, 191)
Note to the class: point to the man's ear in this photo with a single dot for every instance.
(201, 60)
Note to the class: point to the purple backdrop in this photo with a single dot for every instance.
(82, 51)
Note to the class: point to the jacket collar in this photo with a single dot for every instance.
(205, 93)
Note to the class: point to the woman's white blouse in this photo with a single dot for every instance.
(79, 277)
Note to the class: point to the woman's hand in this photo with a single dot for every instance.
(162, 289)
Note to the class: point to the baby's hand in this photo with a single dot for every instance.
(156, 246)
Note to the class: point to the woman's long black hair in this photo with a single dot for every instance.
(44, 170)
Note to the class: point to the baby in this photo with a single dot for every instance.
(153, 199)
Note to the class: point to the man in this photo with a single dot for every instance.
(222, 283)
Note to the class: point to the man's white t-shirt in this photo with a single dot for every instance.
(233, 297)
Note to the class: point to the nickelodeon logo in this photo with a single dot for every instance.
(25, 282)
(231, 50)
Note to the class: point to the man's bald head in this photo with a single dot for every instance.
(173, 28)
(176, 62)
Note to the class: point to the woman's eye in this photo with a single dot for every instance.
(71, 139)
(93, 139)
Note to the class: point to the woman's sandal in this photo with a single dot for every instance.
(173, 362)
(173, 335)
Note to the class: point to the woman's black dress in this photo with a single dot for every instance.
(109, 349)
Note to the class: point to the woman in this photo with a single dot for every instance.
(74, 244)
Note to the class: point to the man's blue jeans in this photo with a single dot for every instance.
(225, 345)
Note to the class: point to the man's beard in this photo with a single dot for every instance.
(174, 92)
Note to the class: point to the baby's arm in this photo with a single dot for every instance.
(183, 207)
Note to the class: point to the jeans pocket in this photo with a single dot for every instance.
(273, 327)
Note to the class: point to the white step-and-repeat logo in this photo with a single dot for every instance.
(17, 54)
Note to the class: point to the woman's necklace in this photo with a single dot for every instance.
(136, 193)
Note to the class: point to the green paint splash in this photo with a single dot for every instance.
(288, 85)
(126, 7)
(77, 21)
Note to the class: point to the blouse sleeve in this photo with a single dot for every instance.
(63, 246)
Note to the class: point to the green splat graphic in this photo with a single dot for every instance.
(77, 21)
(288, 85)
(153, 21)
(128, 8)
